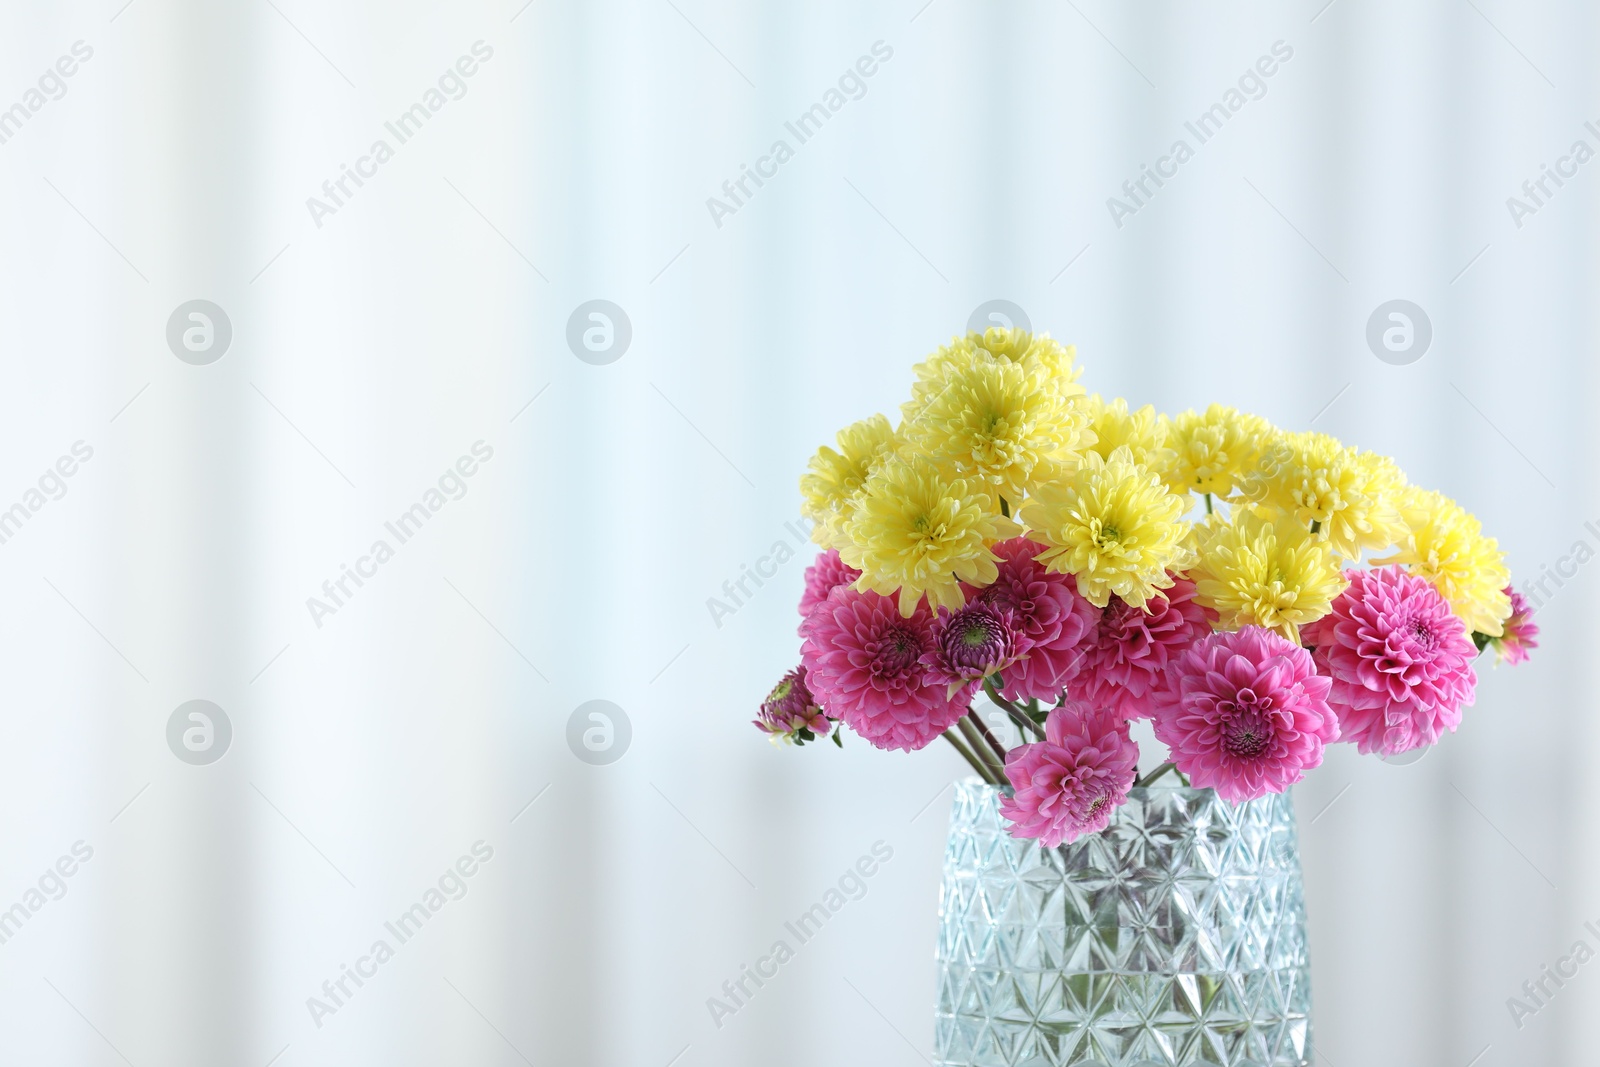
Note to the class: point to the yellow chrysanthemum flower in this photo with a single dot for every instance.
(917, 529)
(1051, 361)
(1035, 351)
(1257, 572)
(1113, 525)
(1445, 544)
(834, 478)
(1215, 449)
(1143, 433)
(998, 423)
(1348, 496)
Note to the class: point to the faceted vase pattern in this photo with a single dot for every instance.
(1175, 937)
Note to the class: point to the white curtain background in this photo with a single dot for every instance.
(375, 345)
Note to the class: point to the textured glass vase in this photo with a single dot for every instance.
(1176, 937)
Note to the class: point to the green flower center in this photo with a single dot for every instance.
(975, 635)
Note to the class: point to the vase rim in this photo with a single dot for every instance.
(973, 783)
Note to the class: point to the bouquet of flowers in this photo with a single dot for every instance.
(1258, 594)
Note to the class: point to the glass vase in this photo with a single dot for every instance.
(1177, 936)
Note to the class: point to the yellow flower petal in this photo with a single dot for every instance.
(997, 422)
(1350, 496)
(916, 529)
(1111, 524)
(1445, 544)
(833, 479)
(1258, 572)
(1212, 451)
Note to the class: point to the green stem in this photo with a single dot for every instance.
(1026, 727)
(1005, 509)
(1025, 724)
(972, 760)
(1157, 773)
(988, 735)
(995, 775)
(1208, 503)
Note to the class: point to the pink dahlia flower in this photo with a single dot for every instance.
(971, 644)
(1048, 617)
(865, 665)
(1521, 632)
(1245, 713)
(1130, 650)
(791, 713)
(1400, 660)
(826, 573)
(1069, 784)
